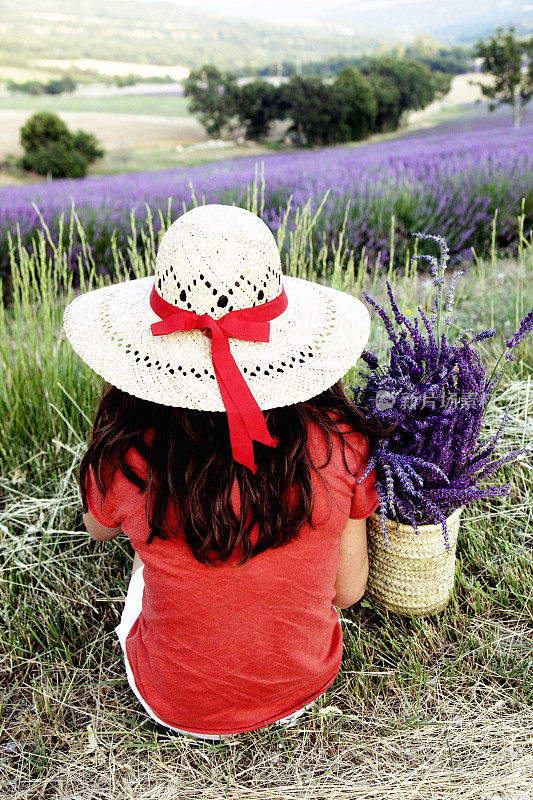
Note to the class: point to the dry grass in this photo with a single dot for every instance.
(115, 131)
(455, 743)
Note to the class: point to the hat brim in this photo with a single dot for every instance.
(312, 345)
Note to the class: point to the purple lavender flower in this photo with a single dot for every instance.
(450, 297)
(435, 392)
(525, 327)
(370, 359)
(479, 337)
(444, 172)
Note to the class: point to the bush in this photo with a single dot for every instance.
(57, 160)
(52, 149)
(60, 85)
(29, 87)
(43, 128)
(86, 144)
(53, 86)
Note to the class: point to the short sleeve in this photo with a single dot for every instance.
(365, 499)
(100, 507)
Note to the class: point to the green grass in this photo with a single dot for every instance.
(140, 160)
(159, 105)
(123, 161)
(439, 707)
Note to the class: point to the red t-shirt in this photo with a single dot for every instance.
(233, 649)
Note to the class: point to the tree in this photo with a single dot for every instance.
(504, 57)
(213, 98)
(388, 102)
(52, 149)
(321, 111)
(402, 84)
(56, 160)
(358, 103)
(258, 104)
(88, 146)
(43, 128)
(60, 85)
(315, 109)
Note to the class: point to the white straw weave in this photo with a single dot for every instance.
(213, 259)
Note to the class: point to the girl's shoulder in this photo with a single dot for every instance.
(115, 479)
(134, 457)
(354, 443)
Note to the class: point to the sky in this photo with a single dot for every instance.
(291, 8)
(441, 18)
(271, 8)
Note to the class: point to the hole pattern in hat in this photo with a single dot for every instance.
(312, 343)
(209, 264)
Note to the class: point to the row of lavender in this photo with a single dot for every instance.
(445, 181)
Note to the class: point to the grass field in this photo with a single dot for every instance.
(140, 131)
(452, 178)
(147, 159)
(423, 709)
(150, 104)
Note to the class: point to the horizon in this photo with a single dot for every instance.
(424, 16)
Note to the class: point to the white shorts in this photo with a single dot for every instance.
(132, 609)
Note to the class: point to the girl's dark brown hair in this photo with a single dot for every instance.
(190, 463)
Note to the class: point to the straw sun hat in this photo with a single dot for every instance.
(181, 338)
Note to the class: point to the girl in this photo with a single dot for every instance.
(225, 449)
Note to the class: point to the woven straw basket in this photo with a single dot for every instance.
(413, 574)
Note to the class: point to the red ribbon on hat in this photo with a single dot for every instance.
(245, 418)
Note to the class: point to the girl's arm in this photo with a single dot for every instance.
(98, 531)
(137, 562)
(352, 574)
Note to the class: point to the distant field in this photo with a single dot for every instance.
(441, 179)
(115, 131)
(148, 159)
(106, 67)
(158, 158)
(151, 104)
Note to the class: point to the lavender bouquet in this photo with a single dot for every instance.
(435, 389)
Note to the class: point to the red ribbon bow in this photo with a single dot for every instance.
(245, 418)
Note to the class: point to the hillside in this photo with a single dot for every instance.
(453, 21)
(160, 33)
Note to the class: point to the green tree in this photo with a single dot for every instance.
(88, 146)
(315, 110)
(358, 103)
(402, 84)
(258, 104)
(43, 128)
(505, 58)
(213, 98)
(388, 102)
(52, 149)
(60, 85)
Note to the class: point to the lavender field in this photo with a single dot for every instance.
(440, 180)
